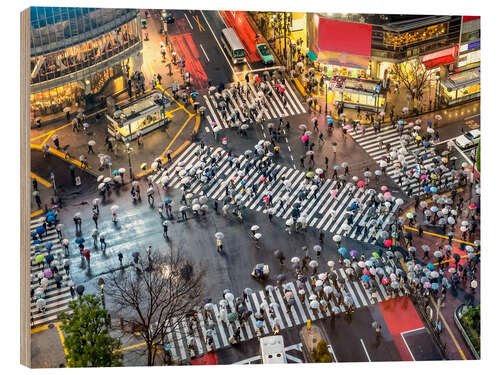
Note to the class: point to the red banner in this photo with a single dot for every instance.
(346, 37)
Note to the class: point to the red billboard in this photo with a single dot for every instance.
(346, 37)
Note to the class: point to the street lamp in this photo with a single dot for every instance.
(101, 283)
(327, 83)
(129, 151)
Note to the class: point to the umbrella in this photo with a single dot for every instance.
(353, 253)
(337, 238)
(376, 255)
(313, 264)
(295, 260)
(79, 240)
(343, 251)
(232, 317)
(434, 275)
(385, 281)
(314, 304)
(365, 278)
(219, 235)
(39, 258)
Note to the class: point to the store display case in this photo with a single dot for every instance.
(355, 92)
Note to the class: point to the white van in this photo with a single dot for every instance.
(272, 349)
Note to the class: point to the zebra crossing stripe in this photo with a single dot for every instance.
(309, 289)
(283, 306)
(225, 342)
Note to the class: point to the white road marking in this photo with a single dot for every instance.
(203, 49)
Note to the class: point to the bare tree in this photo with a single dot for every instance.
(414, 76)
(154, 297)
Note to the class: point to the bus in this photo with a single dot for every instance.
(233, 46)
(272, 349)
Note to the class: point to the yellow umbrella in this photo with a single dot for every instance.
(444, 160)
(144, 166)
(418, 138)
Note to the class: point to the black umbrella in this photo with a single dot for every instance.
(281, 277)
(80, 289)
(296, 205)
(456, 257)
(49, 258)
(278, 253)
(57, 277)
(135, 254)
(295, 213)
(332, 275)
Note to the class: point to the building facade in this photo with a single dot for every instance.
(76, 52)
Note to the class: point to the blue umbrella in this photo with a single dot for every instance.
(168, 200)
(427, 143)
(343, 251)
(51, 219)
(259, 323)
(401, 122)
(40, 230)
(33, 235)
(427, 188)
(430, 266)
(330, 121)
(243, 182)
(79, 240)
(434, 286)
(50, 213)
(36, 242)
(336, 167)
(116, 172)
(428, 123)
(365, 278)
(49, 245)
(434, 189)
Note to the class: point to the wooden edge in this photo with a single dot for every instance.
(25, 164)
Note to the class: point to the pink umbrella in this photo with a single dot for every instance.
(257, 79)
(234, 178)
(411, 124)
(282, 89)
(304, 138)
(333, 193)
(266, 198)
(388, 243)
(361, 183)
(262, 178)
(366, 272)
(423, 177)
(47, 273)
(472, 206)
(382, 114)
(387, 194)
(383, 188)
(427, 285)
(347, 127)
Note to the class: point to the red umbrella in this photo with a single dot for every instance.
(388, 242)
(86, 254)
(262, 178)
(361, 183)
(266, 198)
(257, 79)
(366, 272)
(385, 281)
(282, 89)
(387, 194)
(472, 206)
(304, 138)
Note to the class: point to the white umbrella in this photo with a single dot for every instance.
(196, 207)
(121, 170)
(337, 238)
(295, 260)
(319, 171)
(289, 221)
(164, 180)
(100, 178)
(399, 201)
(430, 130)
(219, 235)
(255, 227)
(314, 304)
(114, 208)
(107, 179)
(438, 117)
(101, 186)
(91, 143)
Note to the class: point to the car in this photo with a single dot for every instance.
(468, 139)
(265, 54)
(168, 17)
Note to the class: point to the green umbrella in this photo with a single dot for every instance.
(409, 215)
(376, 255)
(310, 174)
(39, 258)
(232, 317)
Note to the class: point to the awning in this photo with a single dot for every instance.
(434, 63)
(312, 56)
(463, 79)
(443, 57)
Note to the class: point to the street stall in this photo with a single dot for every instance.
(461, 86)
(145, 114)
(354, 92)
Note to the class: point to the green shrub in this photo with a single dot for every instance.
(320, 353)
(471, 322)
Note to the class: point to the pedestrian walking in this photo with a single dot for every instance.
(120, 259)
(95, 216)
(102, 239)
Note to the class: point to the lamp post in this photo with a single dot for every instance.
(101, 283)
(129, 151)
(327, 83)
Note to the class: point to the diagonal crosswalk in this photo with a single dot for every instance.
(320, 209)
(270, 106)
(389, 135)
(56, 299)
(295, 314)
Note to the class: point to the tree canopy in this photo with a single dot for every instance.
(87, 337)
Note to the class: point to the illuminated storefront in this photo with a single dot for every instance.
(355, 92)
(75, 52)
(462, 86)
(145, 114)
